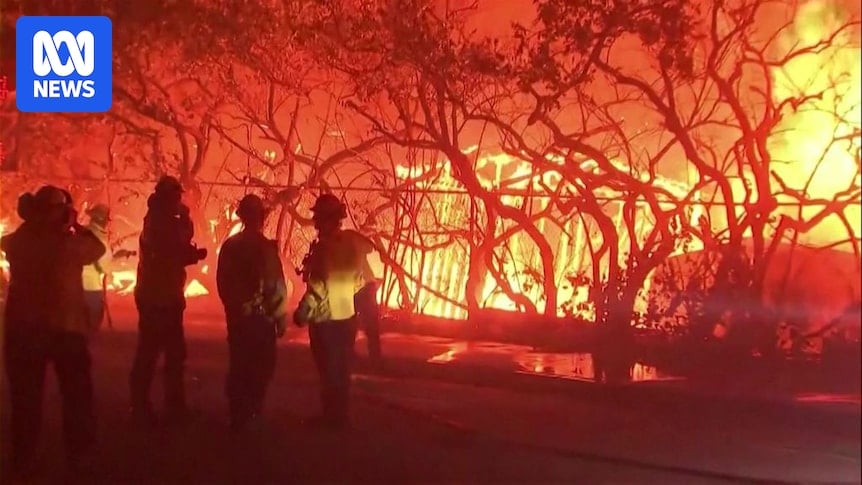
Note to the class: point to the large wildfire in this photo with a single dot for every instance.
(817, 150)
(442, 271)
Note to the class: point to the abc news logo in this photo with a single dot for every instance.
(46, 60)
(64, 64)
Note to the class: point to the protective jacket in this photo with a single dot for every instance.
(250, 277)
(45, 289)
(336, 268)
(165, 250)
(93, 273)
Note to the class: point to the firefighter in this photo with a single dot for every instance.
(333, 273)
(95, 274)
(165, 250)
(46, 321)
(252, 289)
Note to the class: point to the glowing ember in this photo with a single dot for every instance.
(194, 289)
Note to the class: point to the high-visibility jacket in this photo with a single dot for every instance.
(93, 273)
(337, 269)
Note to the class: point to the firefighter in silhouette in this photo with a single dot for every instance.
(333, 273)
(46, 322)
(252, 289)
(365, 300)
(95, 274)
(165, 250)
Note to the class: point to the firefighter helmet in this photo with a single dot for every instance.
(50, 195)
(250, 206)
(328, 206)
(168, 184)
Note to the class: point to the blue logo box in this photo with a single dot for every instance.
(64, 64)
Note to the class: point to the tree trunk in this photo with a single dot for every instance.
(476, 272)
(549, 284)
(614, 354)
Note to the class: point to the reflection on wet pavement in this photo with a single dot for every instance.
(521, 359)
(580, 366)
(513, 358)
(830, 398)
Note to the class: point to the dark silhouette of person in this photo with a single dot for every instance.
(252, 289)
(165, 250)
(332, 271)
(47, 322)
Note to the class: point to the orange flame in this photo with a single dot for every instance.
(808, 143)
(123, 283)
(442, 272)
(195, 288)
(4, 265)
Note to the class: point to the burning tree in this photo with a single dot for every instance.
(282, 120)
(550, 169)
(160, 122)
(614, 99)
(758, 98)
(426, 84)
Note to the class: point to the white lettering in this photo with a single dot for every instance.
(54, 89)
(46, 58)
(89, 89)
(57, 88)
(40, 89)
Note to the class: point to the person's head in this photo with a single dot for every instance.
(53, 206)
(328, 212)
(169, 190)
(26, 206)
(252, 212)
(99, 214)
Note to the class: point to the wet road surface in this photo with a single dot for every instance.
(415, 430)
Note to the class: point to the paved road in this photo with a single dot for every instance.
(418, 430)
